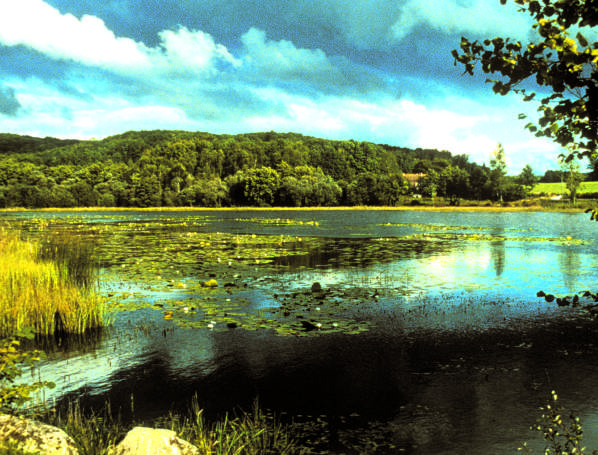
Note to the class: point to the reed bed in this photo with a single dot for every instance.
(255, 432)
(43, 293)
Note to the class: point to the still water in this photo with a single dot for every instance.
(443, 347)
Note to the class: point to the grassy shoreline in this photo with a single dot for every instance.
(46, 286)
(534, 207)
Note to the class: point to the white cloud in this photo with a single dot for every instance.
(39, 26)
(35, 24)
(482, 17)
(404, 122)
(186, 50)
(365, 23)
(172, 85)
(279, 58)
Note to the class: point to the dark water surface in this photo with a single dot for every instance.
(431, 341)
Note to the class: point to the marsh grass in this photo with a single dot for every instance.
(41, 292)
(255, 432)
(94, 432)
(73, 254)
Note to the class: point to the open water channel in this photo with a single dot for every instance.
(425, 337)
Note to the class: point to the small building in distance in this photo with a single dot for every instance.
(413, 179)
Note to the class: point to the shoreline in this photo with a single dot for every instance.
(423, 208)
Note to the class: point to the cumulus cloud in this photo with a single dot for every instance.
(281, 58)
(365, 24)
(187, 50)
(187, 79)
(479, 17)
(39, 26)
(281, 63)
(9, 105)
(35, 24)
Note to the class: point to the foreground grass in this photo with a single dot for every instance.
(46, 287)
(253, 432)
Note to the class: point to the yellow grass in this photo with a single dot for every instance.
(37, 294)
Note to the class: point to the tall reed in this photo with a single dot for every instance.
(43, 294)
(74, 255)
(254, 432)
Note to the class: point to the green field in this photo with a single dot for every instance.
(558, 188)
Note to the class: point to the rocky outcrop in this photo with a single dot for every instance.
(148, 441)
(36, 437)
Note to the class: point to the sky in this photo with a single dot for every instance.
(368, 70)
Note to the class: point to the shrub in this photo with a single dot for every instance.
(563, 434)
(12, 362)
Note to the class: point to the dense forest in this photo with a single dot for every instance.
(178, 168)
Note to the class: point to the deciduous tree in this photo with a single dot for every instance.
(498, 171)
(559, 61)
(527, 177)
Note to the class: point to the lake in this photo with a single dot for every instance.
(424, 334)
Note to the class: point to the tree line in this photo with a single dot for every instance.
(179, 168)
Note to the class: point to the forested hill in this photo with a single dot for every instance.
(166, 168)
(14, 143)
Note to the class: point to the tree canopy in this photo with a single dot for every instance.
(560, 64)
(181, 168)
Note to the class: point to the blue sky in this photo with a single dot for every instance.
(375, 70)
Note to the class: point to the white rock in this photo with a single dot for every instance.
(149, 441)
(33, 436)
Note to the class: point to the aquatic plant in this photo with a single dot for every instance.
(73, 254)
(40, 293)
(13, 360)
(94, 432)
(255, 432)
(563, 434)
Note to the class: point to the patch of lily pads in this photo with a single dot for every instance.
(280, 221)
(313, 311)
(194, 278)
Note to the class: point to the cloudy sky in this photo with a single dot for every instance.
(375, 70)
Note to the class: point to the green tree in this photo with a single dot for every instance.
(572, 177)
(147, 191)
(553, 60)
(551, 176)
(389, 189)
(498, 171)
(478, 179)
(428, 185)
(454, 183)
(527, 177)
(261, 185)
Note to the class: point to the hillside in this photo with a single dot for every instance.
(165, 168)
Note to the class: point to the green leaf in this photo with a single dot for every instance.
(26, 332)
(529, 97)
(554, 128)
(582, 41)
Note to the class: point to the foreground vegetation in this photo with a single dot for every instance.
(252, 432)
(47, 285)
